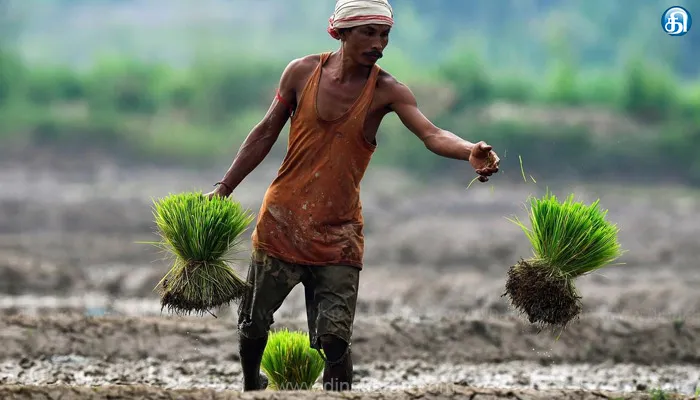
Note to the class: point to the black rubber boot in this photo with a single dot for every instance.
(251, 352)
(337, 375)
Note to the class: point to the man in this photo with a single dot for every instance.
(310, 225)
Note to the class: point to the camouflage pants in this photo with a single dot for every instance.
(331, 297)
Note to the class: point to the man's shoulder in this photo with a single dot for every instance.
(305, 64)
(385, 78)
(389, 86)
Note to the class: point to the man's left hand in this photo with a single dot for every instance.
(484, 160)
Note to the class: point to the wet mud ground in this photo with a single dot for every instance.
(78, 308)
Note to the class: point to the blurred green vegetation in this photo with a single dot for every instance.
(640, 122)
(637, 118)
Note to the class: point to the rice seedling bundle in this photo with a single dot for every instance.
(201, 235)
(569, 239)
(289, 362)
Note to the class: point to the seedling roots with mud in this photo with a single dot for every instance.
(201, 235)
(569, 239)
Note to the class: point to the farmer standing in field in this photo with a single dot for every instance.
(310, 225)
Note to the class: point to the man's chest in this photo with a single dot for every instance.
(334, 100)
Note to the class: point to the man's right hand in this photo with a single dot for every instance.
(221, 190)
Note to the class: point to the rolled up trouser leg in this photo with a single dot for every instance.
(271, 281)
(331, 302)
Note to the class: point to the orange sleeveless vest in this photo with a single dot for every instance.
(311, 213)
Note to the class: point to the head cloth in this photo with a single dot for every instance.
(351, 13)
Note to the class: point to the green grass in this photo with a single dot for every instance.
(289, 362)
(201, 235)
(660, 394)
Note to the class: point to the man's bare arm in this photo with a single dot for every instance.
(263, 136)
(439, 141)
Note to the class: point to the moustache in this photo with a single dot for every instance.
(374, 54)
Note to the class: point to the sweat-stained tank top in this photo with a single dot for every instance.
(311, 213)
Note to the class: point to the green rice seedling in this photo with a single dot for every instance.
(289, 361)
(201, 235)
(569, 239)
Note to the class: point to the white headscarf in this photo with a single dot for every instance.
(351, 13)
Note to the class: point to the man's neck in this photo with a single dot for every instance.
(346, 70)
